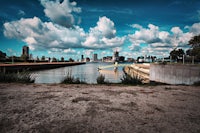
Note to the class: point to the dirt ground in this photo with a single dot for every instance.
(99, 108)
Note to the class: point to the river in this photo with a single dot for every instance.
(87, 72)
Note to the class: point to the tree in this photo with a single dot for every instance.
(71, 60)
(2, 55)
(24, 57)
(54, 59)
(43, 58)
(195, 41)
(195, 51)
(177, 54)
(62, 59)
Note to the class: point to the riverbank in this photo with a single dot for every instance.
(99, 108)
(35, 66)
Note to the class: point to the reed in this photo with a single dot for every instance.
(69, 79)
(131, 80)
(20, 77)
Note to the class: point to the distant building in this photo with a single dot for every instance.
(82, 57)
(107, 59)
(130, 60)
(87, 59)
(25, 51)
(115, 56)
(31, 57)
(121, 59)
(95, 58)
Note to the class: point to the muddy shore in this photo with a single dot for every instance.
(99, 108)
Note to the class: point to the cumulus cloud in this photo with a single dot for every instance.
(103, 35)
(42, 35)
(62, 13)
(48, 35)
(69, 51)
(160, 41)
(195, 28)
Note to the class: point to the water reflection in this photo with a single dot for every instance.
(87, 72)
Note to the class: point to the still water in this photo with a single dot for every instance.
(87, 72)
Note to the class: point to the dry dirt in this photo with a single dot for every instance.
(96, 109)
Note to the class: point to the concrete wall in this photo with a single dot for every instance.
(175, 74)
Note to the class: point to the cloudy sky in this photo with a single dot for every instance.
(56, 28)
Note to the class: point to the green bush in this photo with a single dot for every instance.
(135, 80)
(21, 77)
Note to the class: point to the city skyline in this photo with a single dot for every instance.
(71, 28)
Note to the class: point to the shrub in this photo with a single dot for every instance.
(69, 79)
(22, 77)
(135, 80)
(197, 83)
(101, 79)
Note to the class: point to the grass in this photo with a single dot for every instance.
(131, 80)
(101, 79)
(20, 77)
(69, 79)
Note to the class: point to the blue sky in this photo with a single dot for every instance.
(63, 28)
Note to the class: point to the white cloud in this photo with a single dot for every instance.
(50, 36)
(70, 51)
(42, 35)
(160, 41)
(103, 35)
(88, 53)
(176, 31)
(195, 28)
(61, 12)
(106, 27)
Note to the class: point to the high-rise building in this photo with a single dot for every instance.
(25, 51)
(95, 57)
(82, 57)
(115, 56)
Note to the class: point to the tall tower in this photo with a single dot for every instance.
(25, 51)
(95, 57)
(82, 57)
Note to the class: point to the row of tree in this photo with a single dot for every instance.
(194, 51)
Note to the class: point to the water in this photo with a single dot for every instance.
(87, 72)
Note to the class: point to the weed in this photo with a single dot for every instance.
(101, 79)
(69, 79)
(20, 77)
(131, 80)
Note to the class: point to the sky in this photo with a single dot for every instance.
(70, 28)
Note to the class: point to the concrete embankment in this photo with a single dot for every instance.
(140, 70)
(35, 66)
(175, 73)
(169, 73)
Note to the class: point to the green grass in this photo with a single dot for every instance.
(21, 77)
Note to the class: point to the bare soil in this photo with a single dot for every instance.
(99, 108)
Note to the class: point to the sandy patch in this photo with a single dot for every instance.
(95, 108)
